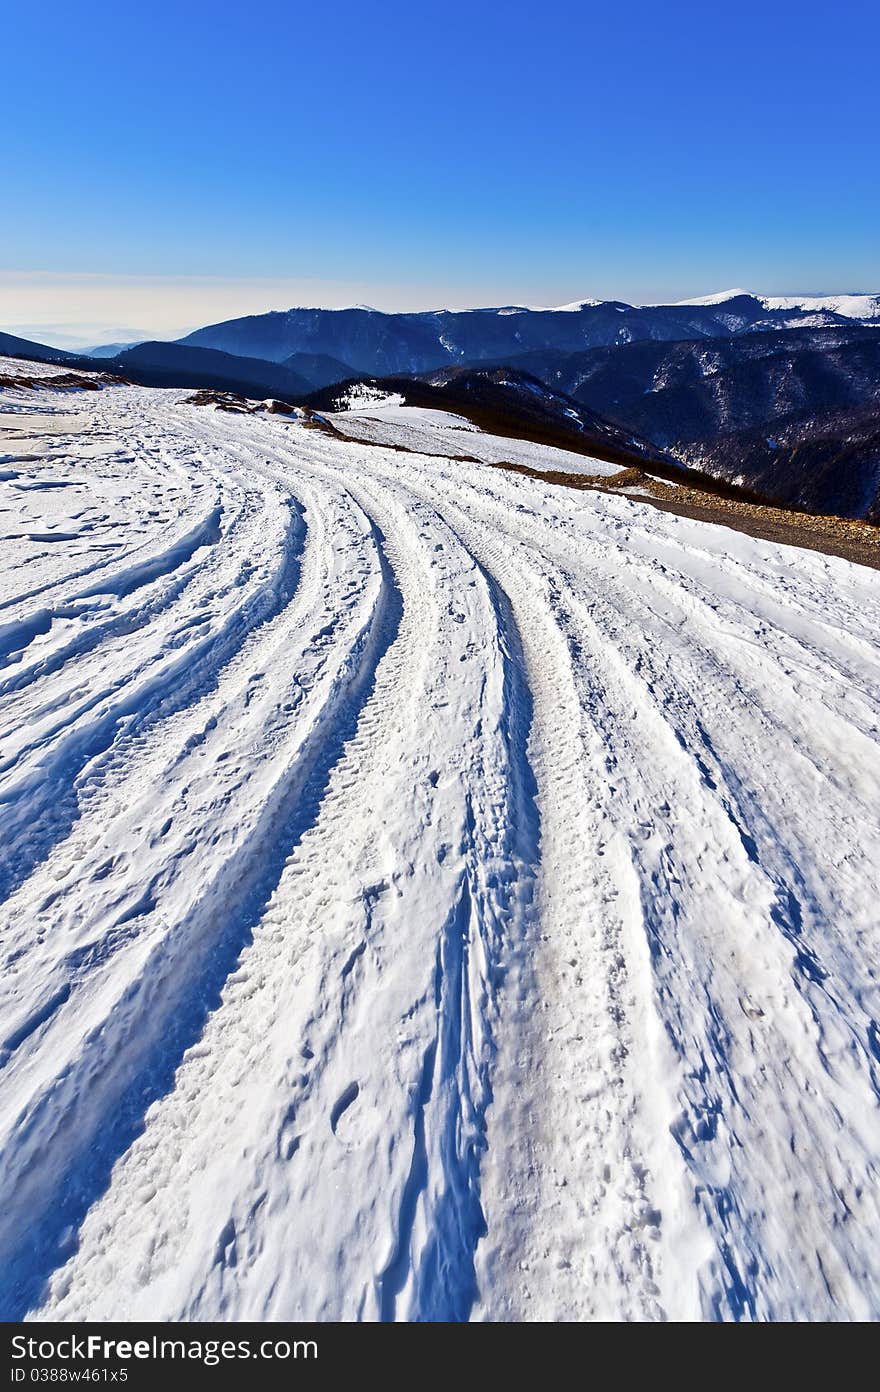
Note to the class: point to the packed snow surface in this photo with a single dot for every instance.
(24, 367)
(431, 432)
(427, 893)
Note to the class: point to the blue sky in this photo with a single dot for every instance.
(167, 164)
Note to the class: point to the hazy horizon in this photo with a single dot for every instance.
(79, 312)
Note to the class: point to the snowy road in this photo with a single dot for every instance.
(427, 893)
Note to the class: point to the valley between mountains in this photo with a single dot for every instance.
(428, 892)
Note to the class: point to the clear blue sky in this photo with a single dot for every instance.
(480, 152)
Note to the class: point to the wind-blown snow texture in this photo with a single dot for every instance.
(428, 893)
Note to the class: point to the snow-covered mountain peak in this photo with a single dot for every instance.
(853, 306)
(850, 306)
(719, 297)
(572, 308)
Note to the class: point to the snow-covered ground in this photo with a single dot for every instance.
(431, 432)
(24, 367)
(427, 893)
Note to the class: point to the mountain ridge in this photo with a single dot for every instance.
(708, 384)
(384, 344)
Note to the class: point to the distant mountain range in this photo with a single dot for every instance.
(110, 350)
(676, 392)
(827, 463)
(368, 341)
(13, 347)
(779, 394)
(176, 365)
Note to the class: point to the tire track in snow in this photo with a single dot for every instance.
(436, 1252)
(745, 1280)
(208, 533)
(616, 1235)
(431, 1274)
(131, 1059)
(820, 1035)
(442, 1282)
(39, 805)
(639, 1104)
(741, 1285)
(125, 840)
(92, 443)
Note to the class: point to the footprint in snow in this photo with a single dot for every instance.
(342, 1105)
(750, 1008)
(352, 1124)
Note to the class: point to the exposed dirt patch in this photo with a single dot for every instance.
(60, 380)
(242, 405)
